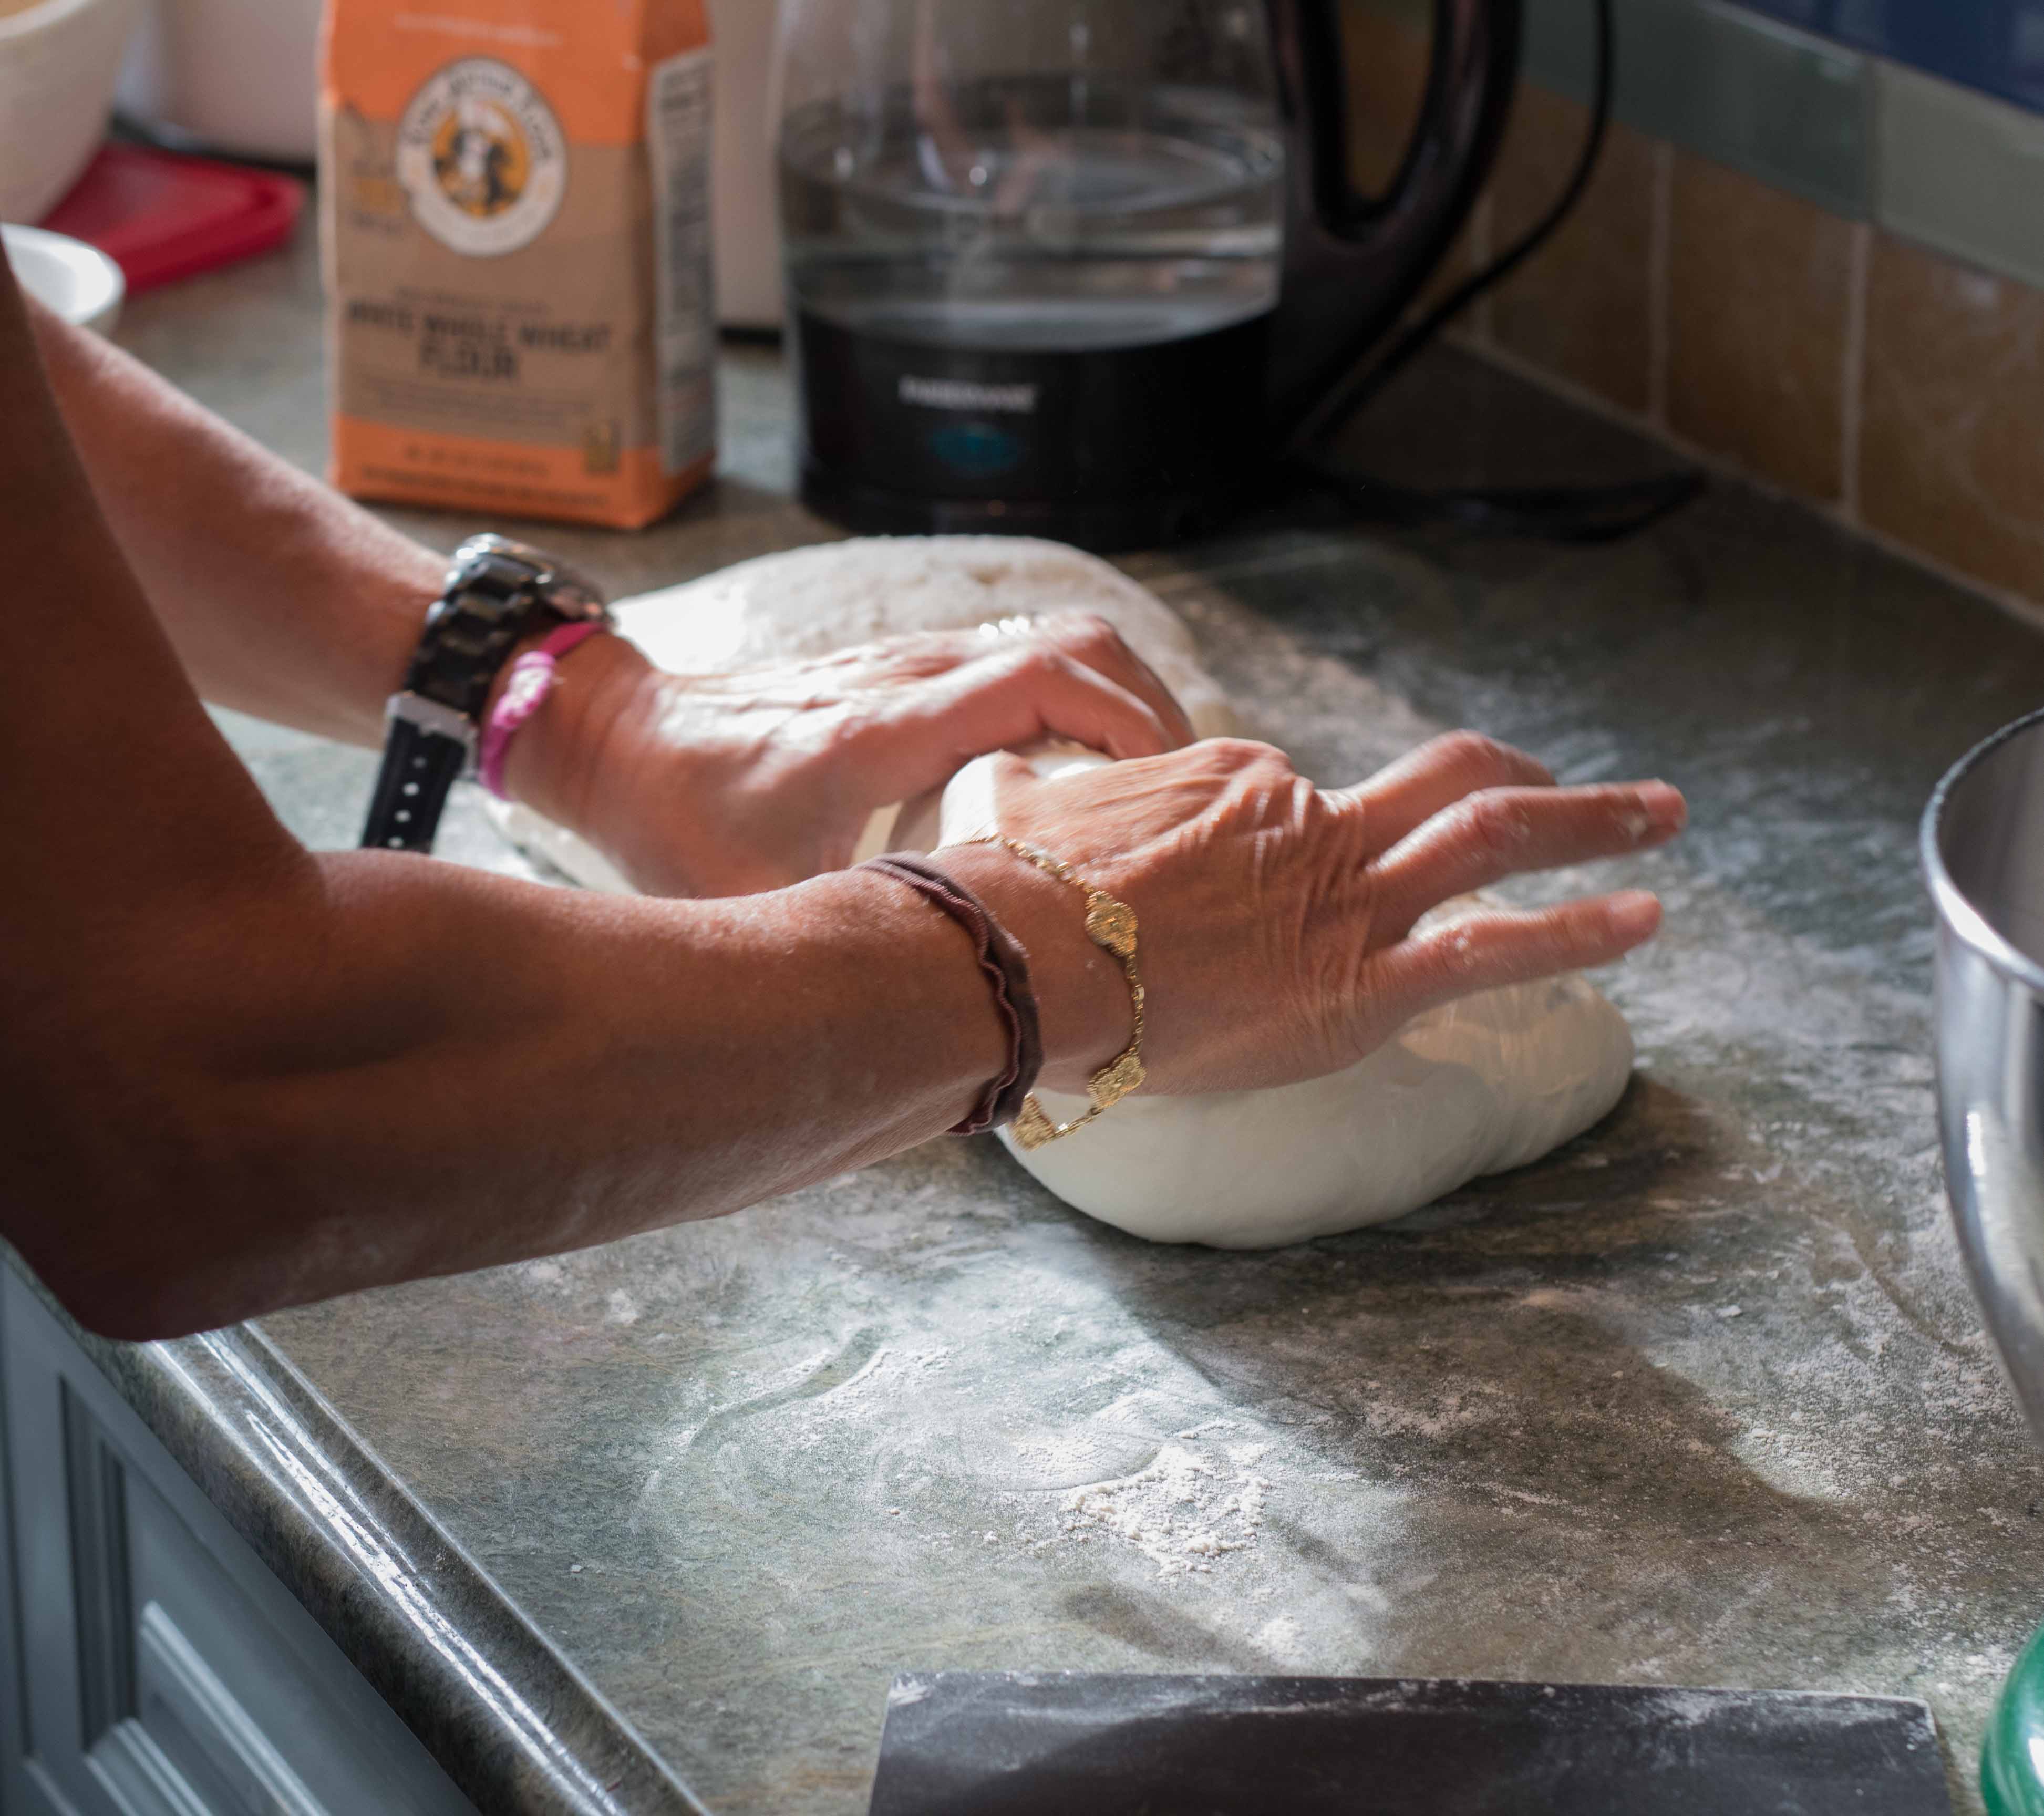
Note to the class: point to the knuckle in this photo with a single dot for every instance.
(856, 724)
(1453, 958)
(1562, 937)
(1557, 934)
(1495, 824)
(1470, 751)
(1039, 658)
(1476, 753)
(1087, 629)
(1244, 754)
(920, 655)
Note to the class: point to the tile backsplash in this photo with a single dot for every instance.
(1586, 312)
(1996, 45)
(1952, 440)
(1817, 269)
(1760, 303)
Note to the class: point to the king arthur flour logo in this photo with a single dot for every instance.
(480, 155)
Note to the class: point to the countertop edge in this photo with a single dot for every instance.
(514, 1726)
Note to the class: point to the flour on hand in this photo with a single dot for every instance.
(1494, 1081)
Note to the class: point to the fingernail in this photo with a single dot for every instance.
(1664, 803)
(1636, 915)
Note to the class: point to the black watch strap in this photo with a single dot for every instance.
(420, 766)
(496, 591)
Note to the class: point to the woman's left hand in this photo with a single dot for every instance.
(736, 783)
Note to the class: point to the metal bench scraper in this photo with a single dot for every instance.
(1001, 1744)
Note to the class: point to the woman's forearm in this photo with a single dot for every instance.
(280, 596)
(380, 1068)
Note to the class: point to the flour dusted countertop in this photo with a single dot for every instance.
(1701, 1400)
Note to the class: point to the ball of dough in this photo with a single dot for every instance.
(1479, 1086)
(814, 601)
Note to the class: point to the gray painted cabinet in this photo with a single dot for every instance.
(153, 1666)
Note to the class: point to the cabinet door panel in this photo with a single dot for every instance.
(218, 1747)
(163, 1671)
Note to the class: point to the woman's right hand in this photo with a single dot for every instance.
(1276, 918)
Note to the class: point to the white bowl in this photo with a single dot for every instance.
(744, 218)
(78, 281)
(239, 76)
(58, 61)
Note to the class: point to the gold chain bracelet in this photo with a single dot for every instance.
(1110, 925)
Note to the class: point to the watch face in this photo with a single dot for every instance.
(493, 544)
(564, 590)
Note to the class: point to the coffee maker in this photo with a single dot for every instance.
(1079, 268)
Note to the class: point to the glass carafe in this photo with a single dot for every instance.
(1032, 251)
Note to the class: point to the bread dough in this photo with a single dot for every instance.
(1490, 1082)
(1480, 1086)
(815, 601)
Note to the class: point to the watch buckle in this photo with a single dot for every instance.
(434, 717)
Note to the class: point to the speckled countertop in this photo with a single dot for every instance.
(1702, 1400)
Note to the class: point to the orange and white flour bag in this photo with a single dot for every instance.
(515, 198)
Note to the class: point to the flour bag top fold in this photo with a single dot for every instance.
(515, 210)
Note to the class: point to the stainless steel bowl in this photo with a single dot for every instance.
(1984, 853)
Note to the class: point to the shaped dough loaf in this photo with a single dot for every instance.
(1493, 1082)
(1478, 1087)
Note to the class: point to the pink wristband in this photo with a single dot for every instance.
(533, 677)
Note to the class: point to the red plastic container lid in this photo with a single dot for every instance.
(160, 216)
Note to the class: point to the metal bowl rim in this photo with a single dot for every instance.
(1959, 914)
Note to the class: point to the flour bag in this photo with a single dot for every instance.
(515, 211)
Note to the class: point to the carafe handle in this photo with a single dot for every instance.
(1353, 263)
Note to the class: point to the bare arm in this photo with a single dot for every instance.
(234, 1076)
(281, 598)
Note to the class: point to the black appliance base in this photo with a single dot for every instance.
(1111, 448)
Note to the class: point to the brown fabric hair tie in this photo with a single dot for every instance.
(1006, 967)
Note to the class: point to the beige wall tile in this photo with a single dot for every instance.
(1580, 306)
(1759, 293)
(1952, 429)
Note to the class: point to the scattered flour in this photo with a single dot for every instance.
(1181, 1510)
(1282, 1637)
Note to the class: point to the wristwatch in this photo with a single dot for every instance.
(497, 592)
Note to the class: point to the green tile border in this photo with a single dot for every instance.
(1859, 135)
(1788, 108)
(1960, 171)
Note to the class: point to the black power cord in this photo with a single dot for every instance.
(1559, 513)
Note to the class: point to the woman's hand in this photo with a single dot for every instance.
(1276, 918)
(734, 783)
